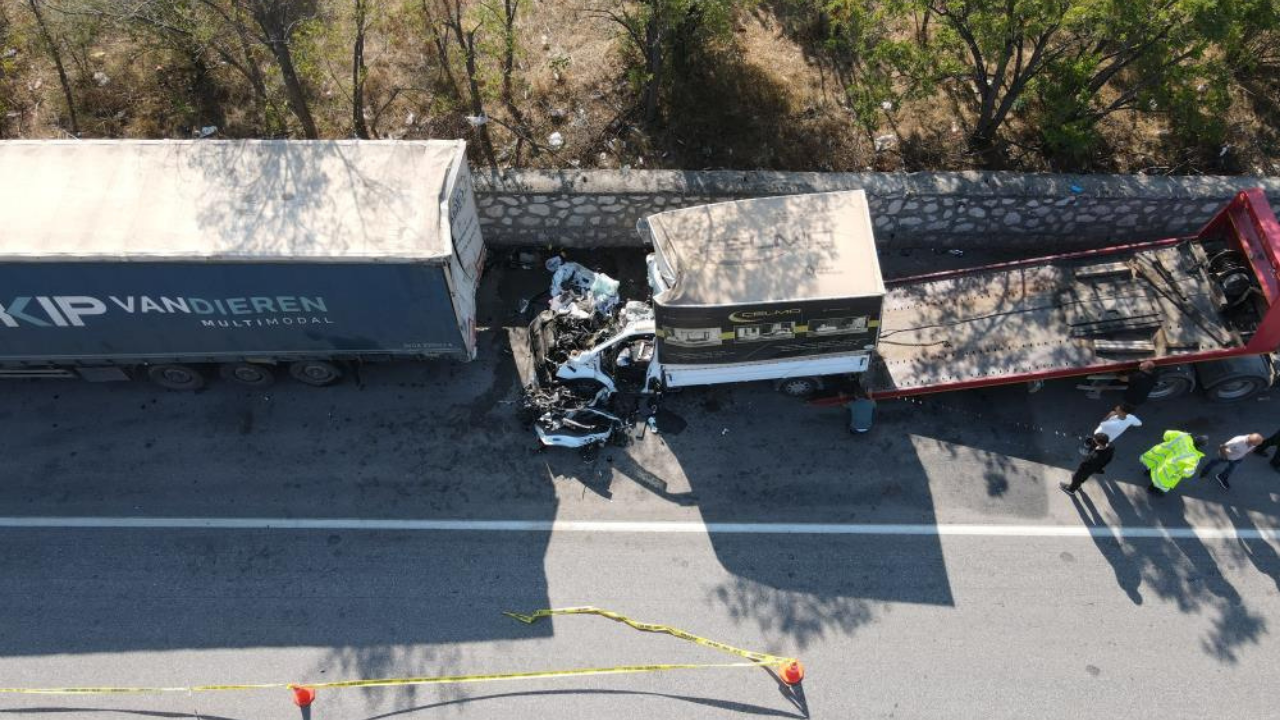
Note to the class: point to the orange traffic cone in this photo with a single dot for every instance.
(303, 696)
(793, 673)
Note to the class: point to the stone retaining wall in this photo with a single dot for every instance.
(968, 210)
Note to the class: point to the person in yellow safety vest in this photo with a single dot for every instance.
(1173, 460)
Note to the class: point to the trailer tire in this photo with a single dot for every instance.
(800, 388)
(1235, 390)
(252, 375)
(316, 373)
(1173, 381)
(176, 377)
(1234, 379)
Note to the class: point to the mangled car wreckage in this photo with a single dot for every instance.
(784, 289)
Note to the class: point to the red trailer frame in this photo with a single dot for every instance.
(1247, 222)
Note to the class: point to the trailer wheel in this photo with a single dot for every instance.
(1173, 381)
(176, 377)
(248, 374)
(1234, 379)
(1236, 389)
(316, 373)
(800, 387)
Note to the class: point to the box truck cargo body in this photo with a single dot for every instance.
(175, 259)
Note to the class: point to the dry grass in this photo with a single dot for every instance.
(763, 99)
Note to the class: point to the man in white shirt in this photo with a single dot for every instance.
(1231, 453)
(1117, 421)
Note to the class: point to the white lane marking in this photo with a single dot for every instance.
(643, 527)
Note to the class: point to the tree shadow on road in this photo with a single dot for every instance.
(1117, 553)
(1179, 570)
(801, 466)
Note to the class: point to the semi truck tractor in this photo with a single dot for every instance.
(182, 260)
(789, 290)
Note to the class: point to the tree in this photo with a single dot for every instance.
(56, 55)
(879, 65)
(276, 22)
(653, 27)
(1167, 56)
(8, 72)
(358, 70)
(998, 47)
(452, 27)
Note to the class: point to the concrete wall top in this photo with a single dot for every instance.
(964, 210)
(972, 184)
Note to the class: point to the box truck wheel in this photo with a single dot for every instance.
(798, 387)
(248, 374)
(176, 377)
(317, 373)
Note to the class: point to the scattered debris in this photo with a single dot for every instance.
(885, 142)
(101, 78)
(574, 288)
(555, 140)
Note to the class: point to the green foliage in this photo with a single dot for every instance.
(885, 68)
(1060, 66)
(1164, 57)
(670, 40)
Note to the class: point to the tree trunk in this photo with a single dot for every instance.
(358, 73)
(293, 88)
(477, 100)
(57, 61)
(653, 64)
(276, 26)
(510, 10)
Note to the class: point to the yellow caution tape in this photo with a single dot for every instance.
(758, 658)
(753, 659)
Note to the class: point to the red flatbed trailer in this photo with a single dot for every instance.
(1211, 299)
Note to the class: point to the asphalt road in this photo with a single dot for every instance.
(1007, 622)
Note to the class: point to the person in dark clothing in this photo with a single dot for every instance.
(1271, 442)
(1140, 383)
(1095, 462)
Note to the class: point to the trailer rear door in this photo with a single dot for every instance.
(467, 260)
